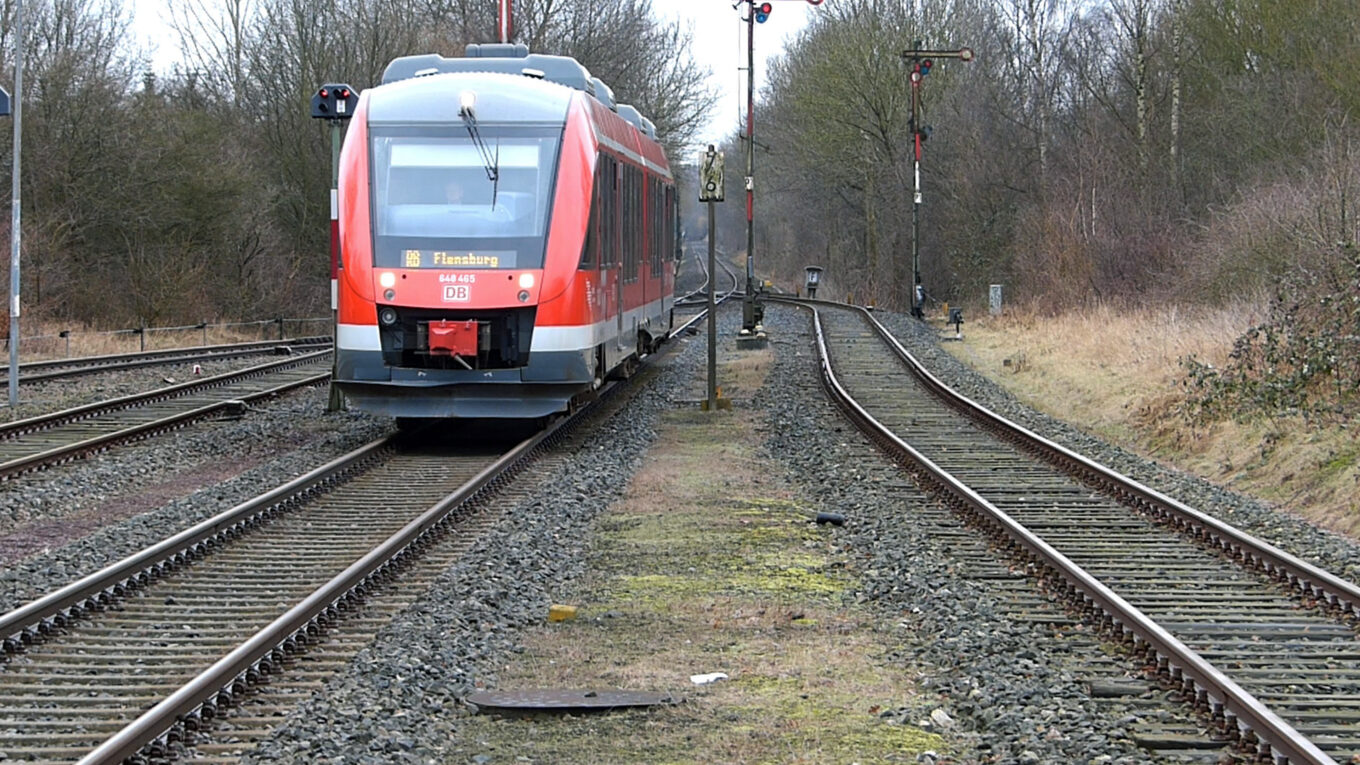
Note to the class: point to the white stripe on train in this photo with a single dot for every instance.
(364, 337)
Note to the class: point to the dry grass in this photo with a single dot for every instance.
(42, 340)
(1117, 373)
(707, 565)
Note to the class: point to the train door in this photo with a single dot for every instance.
(645, 271)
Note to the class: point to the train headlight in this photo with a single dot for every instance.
(526, 281)
(388, 316)
(387, 279)
(524, 296)
(389, 294)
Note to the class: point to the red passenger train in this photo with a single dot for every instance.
(508, 238)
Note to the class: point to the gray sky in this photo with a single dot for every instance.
(720, 43)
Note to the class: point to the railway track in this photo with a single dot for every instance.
(698, 297)
(142, 658)
(55, 369)
(65, 695)
(1261, 641)
(37, 442)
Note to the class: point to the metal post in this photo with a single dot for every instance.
(336, 400)
(14, 230)
(712, 317)
(750, 311)
(917, 304)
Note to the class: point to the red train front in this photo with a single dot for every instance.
(507, 238)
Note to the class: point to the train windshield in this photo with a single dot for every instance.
(435, 205)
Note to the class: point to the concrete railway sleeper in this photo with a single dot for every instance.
(1170, 584)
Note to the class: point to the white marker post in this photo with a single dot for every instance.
(14, 230)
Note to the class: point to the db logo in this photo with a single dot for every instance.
(457, 293)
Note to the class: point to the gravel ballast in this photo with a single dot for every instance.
(401, 697)
(1009, 685)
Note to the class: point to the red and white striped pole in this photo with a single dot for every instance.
(504, 25)
(335, 249)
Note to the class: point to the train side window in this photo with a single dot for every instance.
(639, 219)
(632, 225)
(655, 224)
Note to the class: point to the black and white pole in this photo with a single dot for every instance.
(921, 62)
(16, 218)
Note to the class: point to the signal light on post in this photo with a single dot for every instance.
(925, 67)
(334, 101)
(763, 12)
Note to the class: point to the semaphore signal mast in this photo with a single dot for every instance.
(504, 21)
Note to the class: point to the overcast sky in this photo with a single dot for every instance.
(719, 34)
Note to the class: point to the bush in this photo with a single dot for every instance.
(1305, 358)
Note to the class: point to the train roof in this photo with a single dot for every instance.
(515, 59)
(501, 98)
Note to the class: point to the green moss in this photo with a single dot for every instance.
(1339, 463)
(791, 580)
(872, 740)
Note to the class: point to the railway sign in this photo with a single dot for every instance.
(4, 102)
(711, 176)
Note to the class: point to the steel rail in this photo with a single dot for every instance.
(235, 672)
(36, 371)
(692, 299)
(41, 422)
(114, 358)
(1236, 706)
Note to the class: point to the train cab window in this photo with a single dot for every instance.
(590, 252)
(434, 204)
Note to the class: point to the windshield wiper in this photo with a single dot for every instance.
(490, 162)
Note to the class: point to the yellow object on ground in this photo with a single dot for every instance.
(558, 613)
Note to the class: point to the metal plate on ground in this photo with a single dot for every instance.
(560, 700)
